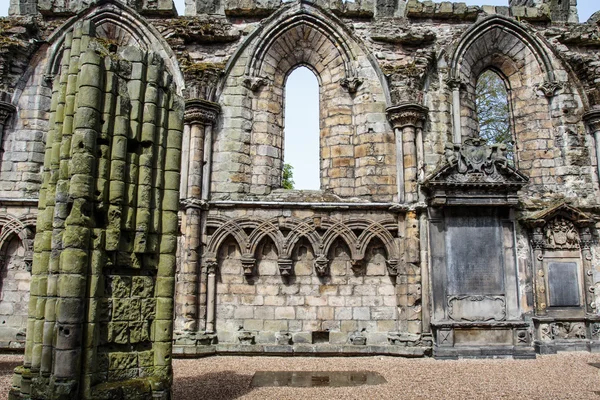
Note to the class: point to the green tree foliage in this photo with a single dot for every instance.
(491, 102)
(288, 174)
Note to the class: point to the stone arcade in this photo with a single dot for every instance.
(141, 208)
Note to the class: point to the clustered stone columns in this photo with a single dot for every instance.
(592, 119)
(6, 110)
(408, 121)
(103, 276)
(200, 115)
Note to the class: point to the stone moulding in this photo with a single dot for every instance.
(407, 114)
(201, 111)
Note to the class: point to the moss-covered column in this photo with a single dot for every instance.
(103, 276)
(200, 116)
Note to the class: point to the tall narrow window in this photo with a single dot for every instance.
(493, 111)
(301, 132)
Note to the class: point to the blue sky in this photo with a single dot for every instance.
(302, 105)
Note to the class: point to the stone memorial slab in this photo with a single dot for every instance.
(474, 251)
(563, 284)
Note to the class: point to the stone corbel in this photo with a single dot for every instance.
(255, 83)
(321, 264)
(285, 266)
(392, 267)
(351, 85)
(211, 267)
(357, 266)
(549, 88)
(248, 264)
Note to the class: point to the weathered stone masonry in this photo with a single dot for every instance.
(144, 152)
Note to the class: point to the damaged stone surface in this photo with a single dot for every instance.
(144, 153)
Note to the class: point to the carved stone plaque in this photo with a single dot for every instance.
(563, 284)
(474, 251)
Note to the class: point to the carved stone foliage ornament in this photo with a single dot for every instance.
(201, 112)
(351, 84)
(549, 88)
(561, 234)
(562, 330)
(254, 83)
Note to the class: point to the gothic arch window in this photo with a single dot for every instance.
(492, 110)
(301, 131)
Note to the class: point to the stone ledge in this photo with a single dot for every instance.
(299, 350)
(460, 11)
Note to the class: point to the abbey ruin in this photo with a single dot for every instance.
(142, 215)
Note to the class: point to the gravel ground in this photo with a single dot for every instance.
(562, 376)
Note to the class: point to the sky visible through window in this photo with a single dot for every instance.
(301, 128)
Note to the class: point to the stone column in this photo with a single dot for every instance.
(6, 110)
(199, 117)
(408, 120)
(537, 243)
(454, 85)
(592, 119)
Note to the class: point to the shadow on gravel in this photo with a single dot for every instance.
(8, 367)
(213, 386)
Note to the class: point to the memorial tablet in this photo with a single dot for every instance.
(563, 284)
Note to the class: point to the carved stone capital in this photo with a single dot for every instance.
(392, 267)
(351, 85)
(248, 264)
(211, 266)
(357, 266)
(592, 119)
(321, 265)
(408, 114)
(199, 111)
(6, 110)
(549, 88)
(454, 83)
(285, 266)
(194, 203)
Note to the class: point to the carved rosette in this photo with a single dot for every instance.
(592, 119)
(408, 114)
(285, 266)
(321, 265)
(201, 112)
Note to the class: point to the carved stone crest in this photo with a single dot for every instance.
(560, 233)
(473, 156)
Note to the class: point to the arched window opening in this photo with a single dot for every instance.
(301, 131)
(493, 111)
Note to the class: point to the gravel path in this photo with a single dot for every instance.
(562, 376)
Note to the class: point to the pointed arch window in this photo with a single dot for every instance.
(301, 130)
(492, 107)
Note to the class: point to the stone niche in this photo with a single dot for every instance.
(565, 317)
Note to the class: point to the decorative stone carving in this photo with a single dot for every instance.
(455, 83)
(201, 112)
(392, 267)
(549, 88)
(595, 331)
(284, 338)
(247, 337)
(473, 156)
(254, 83)
(194, 203)
(351, 85)
(321, 265)
(357, 266)
(248, 264)
(445, 337)
(562, 330)
(476, 308)
(358, 339)
(561, 234)
(211, 267)
(522, 337)
(285, 266)
(407, 114)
